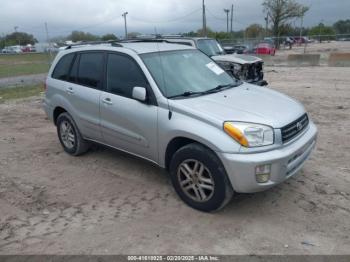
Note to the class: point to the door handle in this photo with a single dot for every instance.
(107, 101)
(70, 90)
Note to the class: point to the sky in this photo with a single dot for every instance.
(146, 16)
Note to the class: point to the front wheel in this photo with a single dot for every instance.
(199, 178)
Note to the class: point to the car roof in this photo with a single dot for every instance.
(137, 47)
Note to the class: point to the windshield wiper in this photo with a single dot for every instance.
(210, 91)
(218, 88)
(184, 94)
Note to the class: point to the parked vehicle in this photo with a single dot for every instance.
(229, 49)
(12, 50)
(302, 40)
(174, 106)
(244, 67)
(239, 49)
(265, 49)
(28, 49)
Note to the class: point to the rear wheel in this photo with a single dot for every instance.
(69, 135)
(199, 178)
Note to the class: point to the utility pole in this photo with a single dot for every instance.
(227, 11)
(204, 29)
(231, 18)
(266, 24)
(48, 40)
(319, 32)
(18, 40)
(126, 28)
(301, 26)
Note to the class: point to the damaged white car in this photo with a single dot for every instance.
(244, 67)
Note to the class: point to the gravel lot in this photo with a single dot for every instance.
(107, 202)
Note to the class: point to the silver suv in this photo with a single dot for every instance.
(174, 106)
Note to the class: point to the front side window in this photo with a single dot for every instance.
(185, 71)
(61, 70)
(123, 74)
(90, 70)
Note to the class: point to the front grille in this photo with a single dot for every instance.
(293, 129)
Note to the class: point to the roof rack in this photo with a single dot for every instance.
(112, 42)
(172, 36)
(147, 40)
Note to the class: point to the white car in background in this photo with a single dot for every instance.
(16, 49)
(244, 67)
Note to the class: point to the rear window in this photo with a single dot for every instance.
(61, 70)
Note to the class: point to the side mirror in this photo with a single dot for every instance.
(139, 93)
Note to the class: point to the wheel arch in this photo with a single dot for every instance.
(56, 112)
(175, 144)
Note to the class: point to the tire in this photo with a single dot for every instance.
(213, 188)
(70, 138)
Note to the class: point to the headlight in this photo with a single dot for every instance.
(249, 134)
(237, 67)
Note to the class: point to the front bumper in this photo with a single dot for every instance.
(285, 162)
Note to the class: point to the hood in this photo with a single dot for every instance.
(246, 103)
(236, 58)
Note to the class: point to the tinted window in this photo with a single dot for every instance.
(90, 70)
(123, 74)
(62, 68)
(74, 71)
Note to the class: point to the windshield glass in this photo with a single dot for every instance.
(210, 47)
(185, 71)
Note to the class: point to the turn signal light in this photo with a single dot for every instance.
(236, 134)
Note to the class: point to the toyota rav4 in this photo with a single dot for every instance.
(174, 106)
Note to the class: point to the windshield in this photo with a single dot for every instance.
(210, 47)
(186, 71)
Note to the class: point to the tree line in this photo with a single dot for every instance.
(280, 15)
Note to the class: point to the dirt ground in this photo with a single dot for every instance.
(107, 202)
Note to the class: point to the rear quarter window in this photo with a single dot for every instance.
(62, 68)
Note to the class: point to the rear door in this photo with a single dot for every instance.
(126, 123)
(84, 90)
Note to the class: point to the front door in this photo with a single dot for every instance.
(126, 123)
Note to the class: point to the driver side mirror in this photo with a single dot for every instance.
(139, 93)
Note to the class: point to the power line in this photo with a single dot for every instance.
(214, 16)
(166, 21)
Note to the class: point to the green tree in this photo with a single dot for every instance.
(108, 37)
(342, 26)
(210, 33)
(19, 38)
(77, 36)
(190, 34)
(133, 35)
(322, 32)
(254, 31)
(282, 11)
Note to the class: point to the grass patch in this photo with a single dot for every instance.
(24, 64)
(23, 69)
(20, 92)
(20, 58)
